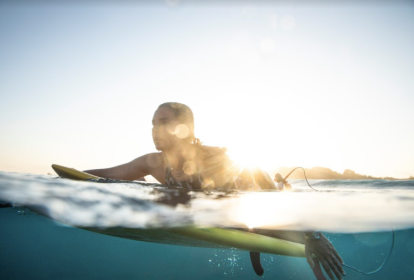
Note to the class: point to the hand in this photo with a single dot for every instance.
(326, 254)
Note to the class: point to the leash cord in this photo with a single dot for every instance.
(304, 173)
(382, 265)
(348, 266)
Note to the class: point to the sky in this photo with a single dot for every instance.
(277, 83)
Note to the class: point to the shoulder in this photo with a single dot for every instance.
(149, 161)
(208, 151)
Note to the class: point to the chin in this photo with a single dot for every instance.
(159, 147)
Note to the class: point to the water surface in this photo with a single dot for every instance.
(356, 216)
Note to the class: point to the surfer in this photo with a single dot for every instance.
(183, 161)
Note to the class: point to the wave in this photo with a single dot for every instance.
(366, 184)
(339, 206)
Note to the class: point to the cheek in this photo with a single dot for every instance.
(166, 135)
(167, 132)
(170, 128)
(160, 130)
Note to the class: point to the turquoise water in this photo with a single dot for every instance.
(36, 247)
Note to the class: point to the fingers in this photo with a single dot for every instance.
(338, 257)
(333, 267)
(327, 268)
(309, 258)
(331, 264)
(338, 262)
(326, 254)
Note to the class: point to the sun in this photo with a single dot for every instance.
(248, 154)
(244, 159)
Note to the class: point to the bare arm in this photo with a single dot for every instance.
(263, 179)
(138, 168)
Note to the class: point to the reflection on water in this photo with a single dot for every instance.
(339, 206)
(33, 247)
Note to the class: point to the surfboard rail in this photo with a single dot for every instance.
(207, 237)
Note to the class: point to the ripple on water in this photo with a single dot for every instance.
(338, 207)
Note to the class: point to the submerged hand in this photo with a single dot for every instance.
(326, 254)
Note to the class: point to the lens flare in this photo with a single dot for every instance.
(181, 131)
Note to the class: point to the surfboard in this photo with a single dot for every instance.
(193, 236)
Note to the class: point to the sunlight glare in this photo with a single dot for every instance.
(253, 215)
(244, 159)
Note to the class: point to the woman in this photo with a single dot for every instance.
(183, 161)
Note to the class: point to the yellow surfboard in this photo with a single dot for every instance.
(193, 236)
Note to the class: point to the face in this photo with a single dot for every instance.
(164, 125)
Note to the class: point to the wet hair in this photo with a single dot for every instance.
(185, 116)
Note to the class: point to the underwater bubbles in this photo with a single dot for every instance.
(226, 260)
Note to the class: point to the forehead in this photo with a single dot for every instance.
(163, 113)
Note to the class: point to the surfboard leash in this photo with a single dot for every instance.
(382, 265)
(348, 266)
(304, 173)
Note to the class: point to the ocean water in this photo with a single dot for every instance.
(357, 217)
